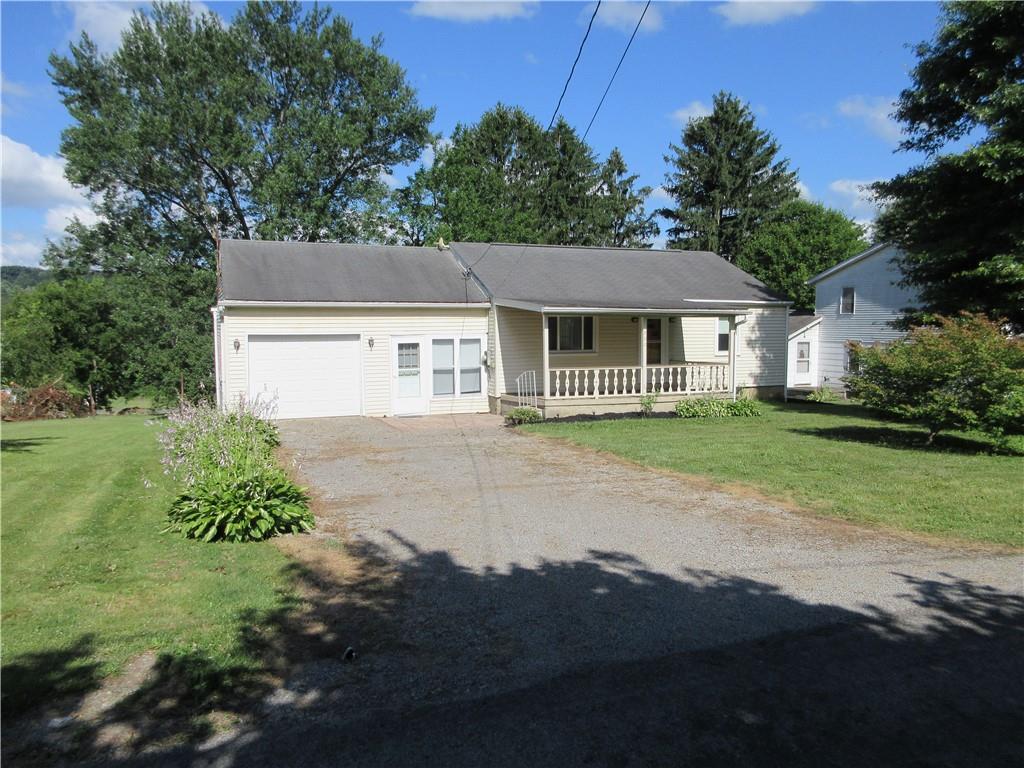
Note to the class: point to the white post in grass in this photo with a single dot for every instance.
(643, 355)
(545, 335)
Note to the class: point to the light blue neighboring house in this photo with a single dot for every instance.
(856, 300)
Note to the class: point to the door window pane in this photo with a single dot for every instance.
(469, 366)
(408, 356)
(723, 334)
(444, 366)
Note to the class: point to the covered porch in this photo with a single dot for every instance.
(592, 361)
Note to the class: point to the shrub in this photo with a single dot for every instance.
(523, 415)
(234, 490)
(647, 404)
(708, 407)
(823, 395)
(963, 373)
(241, 506)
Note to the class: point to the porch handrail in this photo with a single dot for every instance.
(526, 389)
(610, 381)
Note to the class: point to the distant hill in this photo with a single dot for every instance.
(15, 278)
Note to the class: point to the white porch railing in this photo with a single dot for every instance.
(526, 389)
(681, 379)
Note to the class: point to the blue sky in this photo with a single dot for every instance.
(821, 76)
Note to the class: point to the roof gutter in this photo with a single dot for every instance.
(356, 304)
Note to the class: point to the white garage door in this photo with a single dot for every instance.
(309, 375)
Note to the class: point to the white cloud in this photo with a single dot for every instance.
(623, 16)
(389, 180)
(430, 153)
(874, 112)
(692, 110)
(659, 193)
(103, 21)
(468, 11)
(740, 13)
(58, 217)
(804, 190)
(531, 58)
(10, 90)
(32, 180)
(855, 196)
(23, 253)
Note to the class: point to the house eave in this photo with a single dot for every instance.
(848, 263)
(356, 304)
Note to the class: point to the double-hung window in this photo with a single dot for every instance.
(848, 302)
(457, 366)
(803, 357)
(722, 340)
(571, 333)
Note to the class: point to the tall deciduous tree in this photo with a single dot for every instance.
(799, 240)
(725, 179)
(960, 216)
(278, 124)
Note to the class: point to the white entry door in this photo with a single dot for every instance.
(804, 365)
(409, 387)
(306, 376)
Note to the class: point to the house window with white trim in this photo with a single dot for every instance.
(457, 366)
(848, 302)
(571, 333)
(722, 340)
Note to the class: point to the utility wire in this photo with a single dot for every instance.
(621, 58)
(571, 71)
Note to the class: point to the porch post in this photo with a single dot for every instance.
(547, 362)
(732, 357)
(643, 355)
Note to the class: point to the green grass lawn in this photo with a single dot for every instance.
(837, 460)
(88, 579)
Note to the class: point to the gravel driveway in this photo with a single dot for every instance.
(520, 601)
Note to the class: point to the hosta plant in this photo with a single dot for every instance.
(233, 488)
(237, 507)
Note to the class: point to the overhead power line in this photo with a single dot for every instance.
(571, 71)
(621, 58)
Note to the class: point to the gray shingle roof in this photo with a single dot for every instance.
(555, 276)
(799, 322)
(263, 270)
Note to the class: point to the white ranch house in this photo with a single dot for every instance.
(343, 330)
(856, 300)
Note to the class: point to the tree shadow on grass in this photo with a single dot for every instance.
(905, 438)
(595, 661)
(24, 444)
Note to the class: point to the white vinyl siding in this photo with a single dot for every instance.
(380, 324)
(878, 301)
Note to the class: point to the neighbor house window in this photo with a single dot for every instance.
(571, 333)
(849, 361)
(803, 357)
(722, 347)
(457, 366)
(846, 305)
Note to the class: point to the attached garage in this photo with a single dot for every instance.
(306, 376)
(327, 329)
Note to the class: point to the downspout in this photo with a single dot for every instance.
(785, 362)
(215, 312)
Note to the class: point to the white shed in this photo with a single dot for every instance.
(803, 351)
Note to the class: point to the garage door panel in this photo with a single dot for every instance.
(309, 376)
